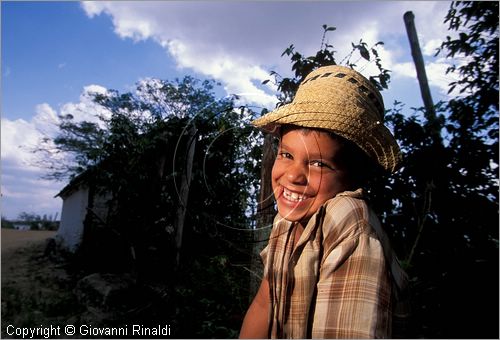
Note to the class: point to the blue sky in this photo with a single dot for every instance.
(52, 52)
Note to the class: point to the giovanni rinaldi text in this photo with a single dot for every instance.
(46, 332)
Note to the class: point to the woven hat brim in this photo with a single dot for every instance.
(368, 133)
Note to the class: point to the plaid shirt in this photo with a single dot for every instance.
(340, 281)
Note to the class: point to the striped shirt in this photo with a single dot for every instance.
(341, 280)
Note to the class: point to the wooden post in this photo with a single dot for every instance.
(419, 65)
(430, 114)
(184, 192)
(265, 214)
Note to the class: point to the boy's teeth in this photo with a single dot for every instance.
(292, 196)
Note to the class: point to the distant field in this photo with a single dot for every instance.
(14, 239)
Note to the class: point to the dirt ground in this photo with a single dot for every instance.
(16, 239)
(35, 289)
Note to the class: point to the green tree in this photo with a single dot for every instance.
(446, 222)
(7, 224)
(34, 220)
(463, 228)
(37, 222)
(135, 157)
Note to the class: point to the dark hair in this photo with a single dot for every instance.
(360, 167)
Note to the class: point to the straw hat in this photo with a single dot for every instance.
(341, 100)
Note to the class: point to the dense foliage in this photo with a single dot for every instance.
(441, 207)
(134, 158)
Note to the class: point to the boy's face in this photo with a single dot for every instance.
(306, 173)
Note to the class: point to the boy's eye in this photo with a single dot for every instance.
(284, 155)
(320, 164)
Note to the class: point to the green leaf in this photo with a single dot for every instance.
(364, 52)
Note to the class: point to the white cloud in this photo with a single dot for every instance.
(437, 77)
(238, 43)
(20, 136)
(22, 186)
(405, 70)
(431, 47)
(237, 79)
(86, 109)
(15, 135)
(45, 120)
(92, 89)
(435, 74)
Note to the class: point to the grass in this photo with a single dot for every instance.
(36, 290)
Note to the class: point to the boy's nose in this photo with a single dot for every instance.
(297, 174)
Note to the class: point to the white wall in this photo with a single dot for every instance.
(70, 233)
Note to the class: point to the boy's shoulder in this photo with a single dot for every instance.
(347, 202)
(347, 212)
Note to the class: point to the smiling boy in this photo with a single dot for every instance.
(306, 173)
(329, 270)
